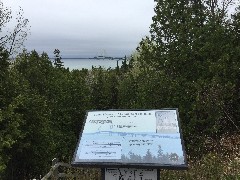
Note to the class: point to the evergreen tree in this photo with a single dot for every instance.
(58, 59)
(148, 158)
(190, 62)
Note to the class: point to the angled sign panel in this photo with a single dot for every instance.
(134, 138)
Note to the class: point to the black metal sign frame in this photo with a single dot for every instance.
(89, 161)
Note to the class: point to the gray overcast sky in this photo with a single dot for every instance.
(86, 27)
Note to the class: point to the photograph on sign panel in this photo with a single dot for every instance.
(131, 137)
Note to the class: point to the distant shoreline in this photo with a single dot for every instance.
(112, 58)
(72, 58)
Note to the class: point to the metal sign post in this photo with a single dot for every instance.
(130, 174)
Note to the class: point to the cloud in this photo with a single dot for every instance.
(86, 25)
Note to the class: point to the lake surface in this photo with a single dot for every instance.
(88, 63)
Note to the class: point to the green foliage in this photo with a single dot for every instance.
(28, 154)
(9, 121)
(103, 88)
(190, 62)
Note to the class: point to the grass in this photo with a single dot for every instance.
(211, 166)
(221, 163)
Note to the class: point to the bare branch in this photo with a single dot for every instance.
(12, 40)
(225, 7)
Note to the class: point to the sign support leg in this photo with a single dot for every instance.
(102, 173)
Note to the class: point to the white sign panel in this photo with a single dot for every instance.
(134, 137)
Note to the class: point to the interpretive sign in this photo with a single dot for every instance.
(131, 138)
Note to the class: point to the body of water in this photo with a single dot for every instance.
(88, 63)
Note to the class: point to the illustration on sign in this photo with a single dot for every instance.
(131, 137)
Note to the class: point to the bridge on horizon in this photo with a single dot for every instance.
(96, 57)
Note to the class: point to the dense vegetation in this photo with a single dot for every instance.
(191, 61)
